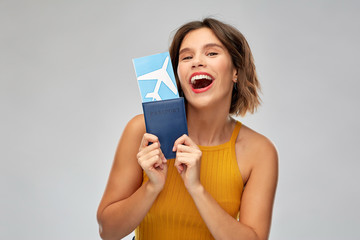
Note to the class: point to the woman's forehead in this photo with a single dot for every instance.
(200, 38)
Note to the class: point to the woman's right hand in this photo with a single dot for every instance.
(152, 161)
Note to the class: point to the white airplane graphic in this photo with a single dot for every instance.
(162, 76)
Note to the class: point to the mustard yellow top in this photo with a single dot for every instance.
(174, 214)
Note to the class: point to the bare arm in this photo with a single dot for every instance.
(125, 201)
(257, 199)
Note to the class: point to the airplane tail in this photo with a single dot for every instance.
(165, 63)
(153, 95)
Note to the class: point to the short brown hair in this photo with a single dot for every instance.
(245, 97)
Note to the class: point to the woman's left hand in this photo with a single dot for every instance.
(188, 161)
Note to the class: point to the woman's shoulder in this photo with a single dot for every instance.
(257, 155)
(137, 121)
(255, 144)
(136, 126)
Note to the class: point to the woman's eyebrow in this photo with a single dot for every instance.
(184, 50)
(209, 45)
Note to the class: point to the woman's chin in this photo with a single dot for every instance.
(200, 101)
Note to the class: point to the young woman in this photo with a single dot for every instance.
(222, 183)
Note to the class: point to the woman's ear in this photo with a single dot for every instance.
(235, 75)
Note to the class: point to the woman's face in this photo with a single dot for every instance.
(205, 69)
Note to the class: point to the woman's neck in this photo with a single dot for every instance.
(209, 127)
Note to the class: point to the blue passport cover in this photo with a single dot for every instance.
(167, 120)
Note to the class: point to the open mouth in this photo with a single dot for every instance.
(200, 81)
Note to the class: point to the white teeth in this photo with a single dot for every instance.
(197, 77)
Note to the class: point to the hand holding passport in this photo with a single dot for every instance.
(164, 110)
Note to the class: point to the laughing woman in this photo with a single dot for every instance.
(222, 183)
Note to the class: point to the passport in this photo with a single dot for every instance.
(167, 120)
(164, 111)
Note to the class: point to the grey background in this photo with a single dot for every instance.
(68, 88)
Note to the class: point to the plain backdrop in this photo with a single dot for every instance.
(68, 88)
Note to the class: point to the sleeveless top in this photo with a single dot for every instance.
(174, 214)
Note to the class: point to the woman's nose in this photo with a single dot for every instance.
(198, 61)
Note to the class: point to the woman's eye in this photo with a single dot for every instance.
(212, 54)
(186, 58)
